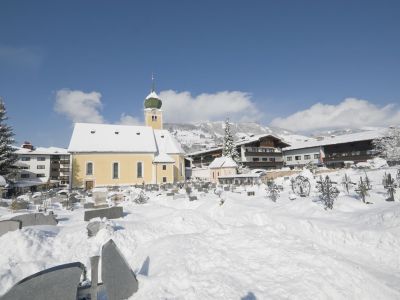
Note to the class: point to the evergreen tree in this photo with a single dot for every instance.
(388, 146)
(7, 155)
(229, 148)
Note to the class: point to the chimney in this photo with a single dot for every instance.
(27, 145)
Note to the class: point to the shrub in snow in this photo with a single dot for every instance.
(273, 191)
(388, 146)
(141, 198)
(328, 191)
(18, 204)
(311, 167)
(347, 183)
(362, 189)
(368, 182)
(301, 186)
(377, 163)
(390, 187)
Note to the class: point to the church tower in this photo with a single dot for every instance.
(152, 109)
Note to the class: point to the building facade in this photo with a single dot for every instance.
(257, 152)
(42, 165)
(112, 155)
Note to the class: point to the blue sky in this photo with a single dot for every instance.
(271, 60)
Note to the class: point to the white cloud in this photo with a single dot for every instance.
(79, 106)
(129, 120)
(180, 107)
(350, 113)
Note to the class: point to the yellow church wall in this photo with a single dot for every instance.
(103, 168)
(155, 124)
(168, 173)
(179, 167)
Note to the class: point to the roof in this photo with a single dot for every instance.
(43, 151)
(252, 139)
(223, 162)
(163, 158)
(166, 142)
(152, 95)
(339, 139)
(89, 137)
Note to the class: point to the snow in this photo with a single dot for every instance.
(153, 94)
(163, 158)
(88, 137)
(42, 151)
(247, 248)
(2, 181)
(166, 142)
(340, 139)
(223, 162)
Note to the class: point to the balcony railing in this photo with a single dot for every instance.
(262, 150)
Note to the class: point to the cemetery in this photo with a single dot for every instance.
(168, 239)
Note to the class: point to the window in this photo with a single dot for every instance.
(154, 118)
(316, 156)
(25, 158)
(24, 175)
(115, 171)
(256, 159)
(139, 170)
(41, 158)
(40, 175)
(297, 157)
(272, 159)
(40, 167)
(89, 168)
(264, 159)
(164, 179)
(25, 167)
(54, 170)
(164, 167)
(289, 158)
(307, 157)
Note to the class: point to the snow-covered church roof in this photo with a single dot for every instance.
(223, 162)
(89, 137)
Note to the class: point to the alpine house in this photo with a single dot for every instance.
(111, 155)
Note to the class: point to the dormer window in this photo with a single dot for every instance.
(162, 136)
(92, 131)
(116, 132)
(138, 133)
(154, 118)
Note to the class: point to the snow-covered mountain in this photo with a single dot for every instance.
(200, 136)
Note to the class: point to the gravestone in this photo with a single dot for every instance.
(250, 193)
(88, 205)
(9, 225)
(94, 227)
(114, 212)
(35, 219)
(192, 198)
(99, 196)
(170, 194)
(119, 280)
(179, 196)
(226, 188)
(60, 282)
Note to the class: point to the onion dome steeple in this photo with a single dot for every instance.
(152, 100)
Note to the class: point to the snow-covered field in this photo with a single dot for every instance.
(248, 248)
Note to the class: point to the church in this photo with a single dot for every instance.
(112, 155)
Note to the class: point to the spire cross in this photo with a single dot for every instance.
(153, 85)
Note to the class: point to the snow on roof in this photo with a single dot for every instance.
(339, 139)
(166, 142)
(43, 151)
(163, 158)
(241, 142)
(88, 137)
(152, 95)
(223, 162)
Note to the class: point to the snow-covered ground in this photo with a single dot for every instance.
(248, 248)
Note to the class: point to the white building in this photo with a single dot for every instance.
(42, 165)
(222, 166)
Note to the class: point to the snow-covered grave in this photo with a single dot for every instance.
(227, 245)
